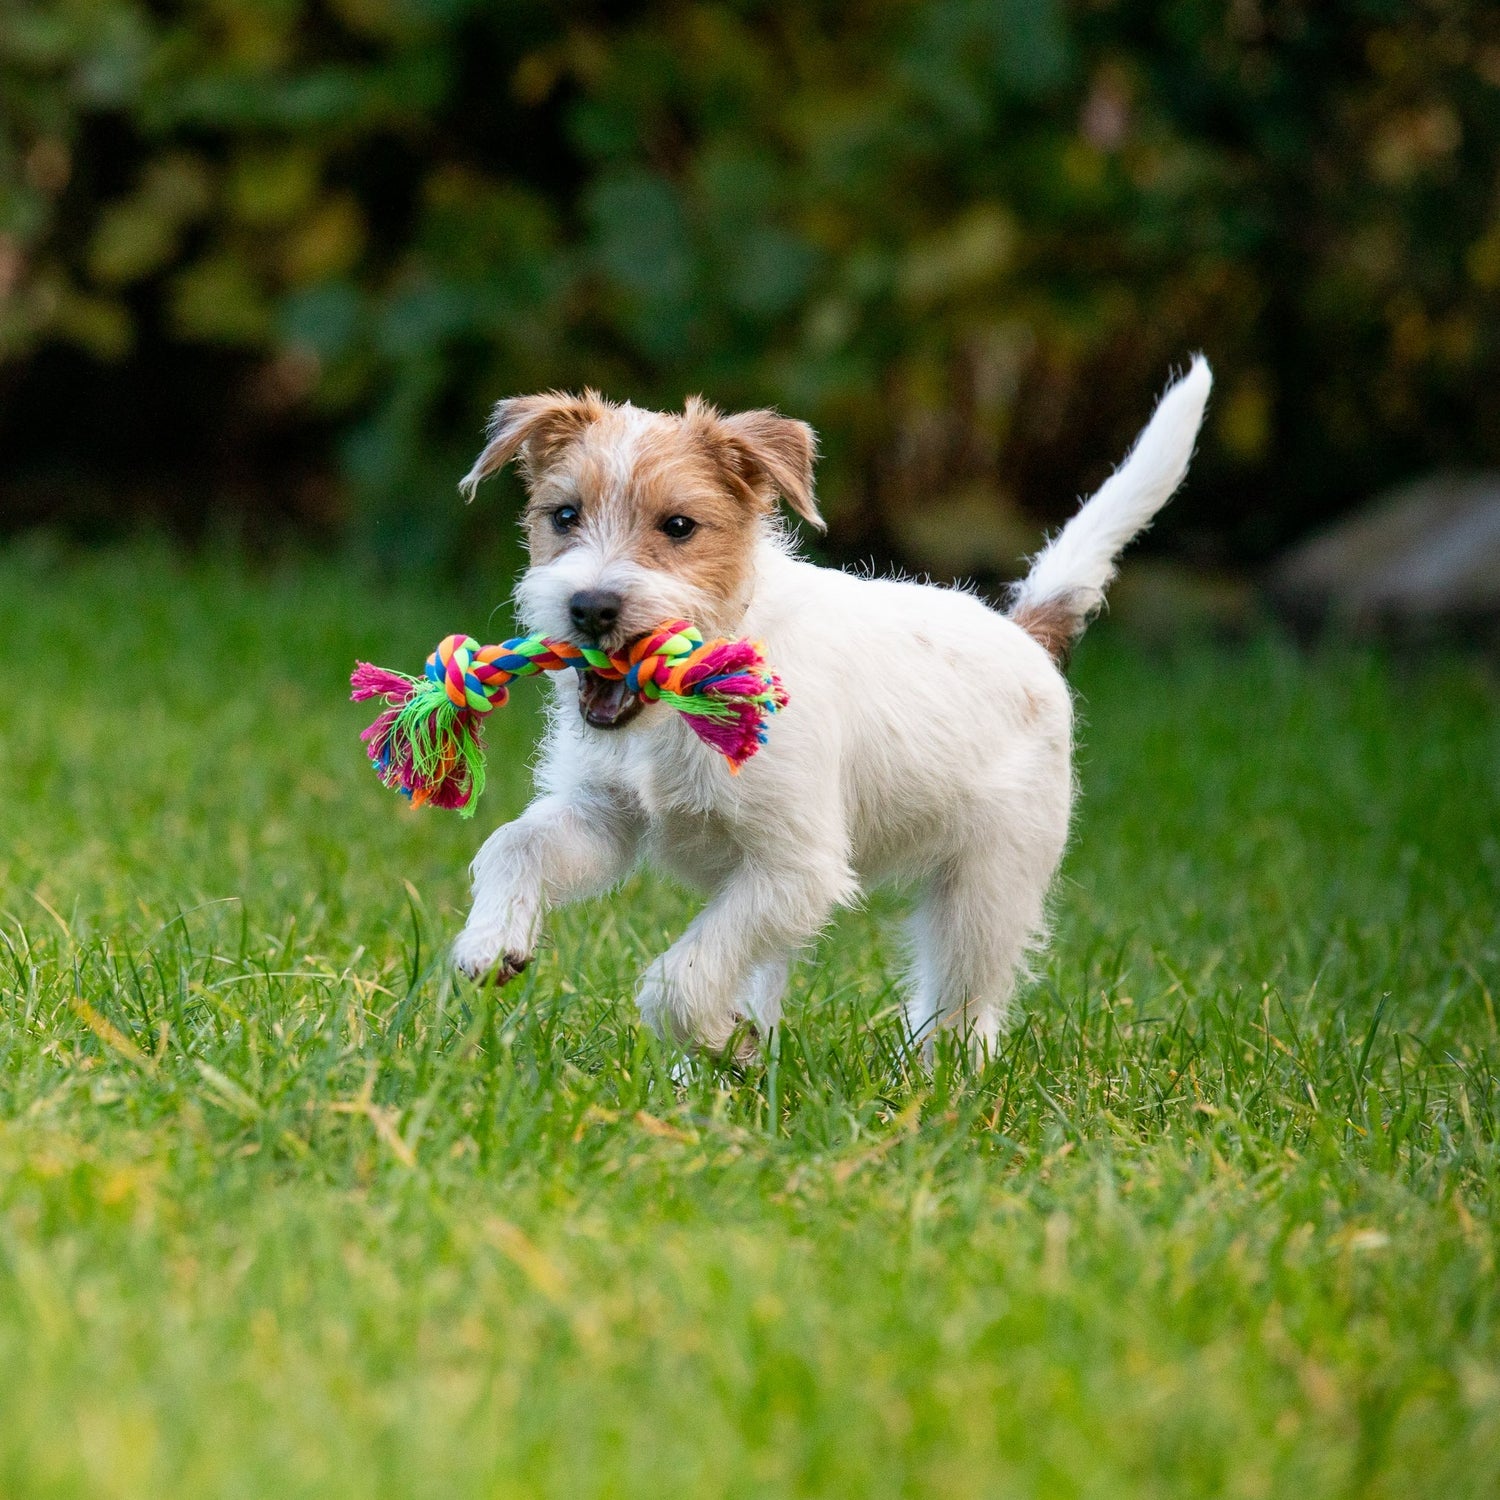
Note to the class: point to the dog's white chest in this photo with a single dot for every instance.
(668, 772)
(691, 801)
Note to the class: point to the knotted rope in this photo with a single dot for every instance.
(427, 743)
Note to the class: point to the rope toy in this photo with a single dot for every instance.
(427, 743)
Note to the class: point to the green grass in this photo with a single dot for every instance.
(284, 1211)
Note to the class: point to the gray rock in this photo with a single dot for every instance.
(1423, 554)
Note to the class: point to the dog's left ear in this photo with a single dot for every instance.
(534, 429)
(774, 455)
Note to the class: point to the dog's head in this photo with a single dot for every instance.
(635, 517)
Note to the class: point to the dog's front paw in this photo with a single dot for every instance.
(742, 1046)
(654, 997)
(668, 1007)
(487, 958)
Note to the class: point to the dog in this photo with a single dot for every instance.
(927, 740)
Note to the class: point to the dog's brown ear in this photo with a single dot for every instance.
(534, 427)
(774, 455)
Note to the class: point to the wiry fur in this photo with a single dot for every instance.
(927, 739)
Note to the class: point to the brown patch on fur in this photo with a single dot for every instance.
(1054, 623)
(679, 473)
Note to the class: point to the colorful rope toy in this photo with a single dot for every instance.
(427, 743)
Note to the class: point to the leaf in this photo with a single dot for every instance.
(220, 301)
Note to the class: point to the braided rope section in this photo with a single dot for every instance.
(427, 742)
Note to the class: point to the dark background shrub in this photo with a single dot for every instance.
(265, 263)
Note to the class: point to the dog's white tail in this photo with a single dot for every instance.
(1065, 587)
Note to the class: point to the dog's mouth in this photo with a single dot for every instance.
(603, 703)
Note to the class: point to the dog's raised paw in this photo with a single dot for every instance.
(485, 963)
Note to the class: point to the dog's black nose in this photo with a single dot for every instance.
(594, 611)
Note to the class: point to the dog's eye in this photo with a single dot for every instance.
(679, 528)
(565, 518)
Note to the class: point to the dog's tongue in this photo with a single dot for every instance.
(604, 703)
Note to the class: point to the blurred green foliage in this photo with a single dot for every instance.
(288, 239)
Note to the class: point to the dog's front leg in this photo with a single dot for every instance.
(696, 992)
(564, 847)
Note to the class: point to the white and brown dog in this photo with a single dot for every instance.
(928, 738)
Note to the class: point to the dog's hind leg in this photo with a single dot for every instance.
(970, 934)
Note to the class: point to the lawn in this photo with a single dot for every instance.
(286, 1211)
